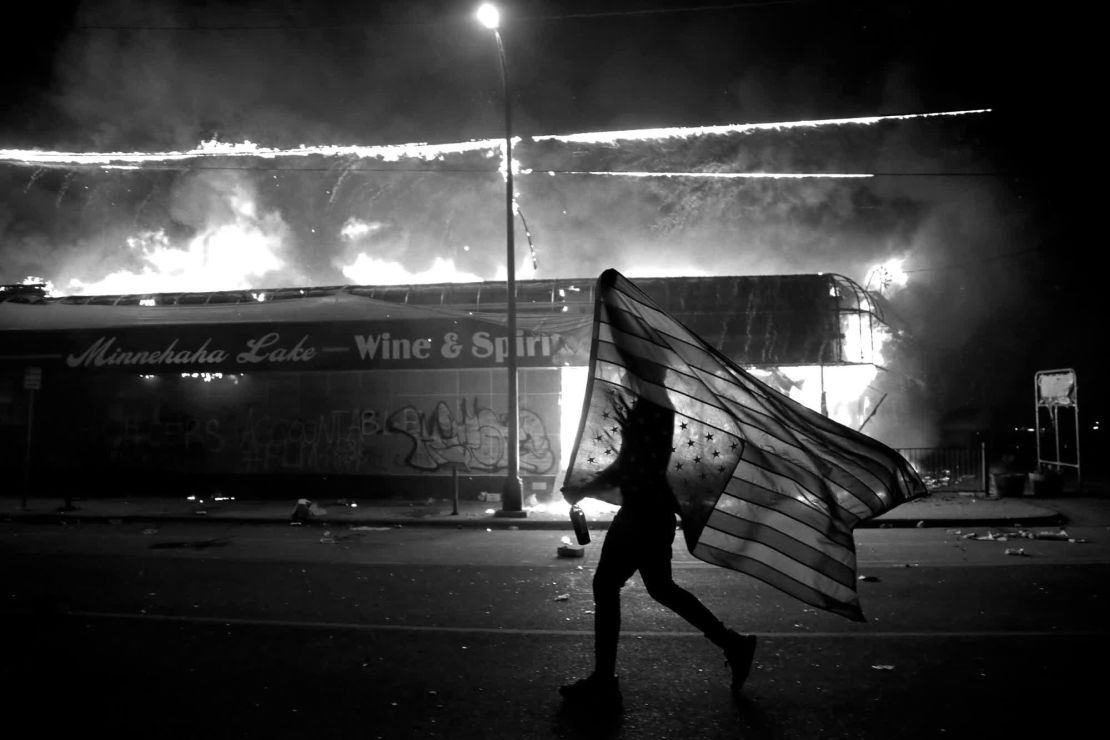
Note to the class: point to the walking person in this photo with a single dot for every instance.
(640, 539)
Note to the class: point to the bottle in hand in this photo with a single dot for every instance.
(578, 521)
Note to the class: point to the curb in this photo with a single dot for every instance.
(514, 523)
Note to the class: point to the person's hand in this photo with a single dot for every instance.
(573, 494)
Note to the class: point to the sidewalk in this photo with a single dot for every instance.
(937, 509)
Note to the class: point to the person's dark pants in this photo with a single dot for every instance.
(641, 541)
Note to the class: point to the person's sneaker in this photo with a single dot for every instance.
(739, 653)
(597, 691)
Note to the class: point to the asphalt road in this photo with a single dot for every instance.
(203, 630)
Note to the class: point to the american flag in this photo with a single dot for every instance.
(764, 485)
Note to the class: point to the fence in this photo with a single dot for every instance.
(950, 468)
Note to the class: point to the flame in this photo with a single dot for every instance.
(887, 278)
(844, 388)
(368, 270)
(47, 286)
(559, 507)
(222, 256)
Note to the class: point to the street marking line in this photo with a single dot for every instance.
(363, 627)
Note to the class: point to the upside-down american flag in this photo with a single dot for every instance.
(764, 485)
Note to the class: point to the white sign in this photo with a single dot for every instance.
(1056, 387)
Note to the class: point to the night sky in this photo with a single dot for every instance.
(990, 212)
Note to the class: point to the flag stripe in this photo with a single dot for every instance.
(810, 537)
(788, 570)
(804, 514)
(847, 606)
(835, 561)
(786, 473)
(749, 471)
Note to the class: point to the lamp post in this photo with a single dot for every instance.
(511, 489)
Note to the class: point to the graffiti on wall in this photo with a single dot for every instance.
(342, 441)
(332, 442)
(474, 439)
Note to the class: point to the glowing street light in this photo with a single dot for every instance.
(511, 490)
(488, 16)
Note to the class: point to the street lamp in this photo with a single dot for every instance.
(511, 490)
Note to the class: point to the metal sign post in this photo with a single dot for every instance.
(32, 381)
(1057, 420)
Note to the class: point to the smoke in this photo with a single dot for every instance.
(343, 73)
(163, 74)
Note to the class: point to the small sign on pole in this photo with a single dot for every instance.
(32, 378)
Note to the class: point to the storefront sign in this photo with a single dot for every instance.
(303, 346)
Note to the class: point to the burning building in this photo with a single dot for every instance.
(376, 391)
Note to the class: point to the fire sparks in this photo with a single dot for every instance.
(611, 137)
(720, 175)
(432, 152)
(246, 149)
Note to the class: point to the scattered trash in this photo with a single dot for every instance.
(302, 512)
(327, 539)
(1046, 535)
(562, 597)
(868, 578)
(969, 536)
(191, 545)
(921, 523)
(883, 667)
(1016, 551)
(569, 551)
